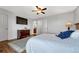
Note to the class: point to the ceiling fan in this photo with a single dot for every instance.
(39, 10)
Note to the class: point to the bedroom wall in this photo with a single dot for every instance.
(76, 15)
(51, 24)
(12, 26)
(56, 23)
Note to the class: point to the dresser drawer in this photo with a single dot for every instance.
(23, 33)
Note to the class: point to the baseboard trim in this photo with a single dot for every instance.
(8, 40)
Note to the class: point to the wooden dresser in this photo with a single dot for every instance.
(23, 33)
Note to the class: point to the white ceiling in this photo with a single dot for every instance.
(26, 11)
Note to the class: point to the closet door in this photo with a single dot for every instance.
(39, 26)
(3, 27)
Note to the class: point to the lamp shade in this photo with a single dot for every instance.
(68, 24)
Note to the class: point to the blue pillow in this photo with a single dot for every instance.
(65, 34)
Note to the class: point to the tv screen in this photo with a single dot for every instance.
(20, 20)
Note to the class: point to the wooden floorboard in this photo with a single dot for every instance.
(5, 48)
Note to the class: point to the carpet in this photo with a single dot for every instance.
(19, 45)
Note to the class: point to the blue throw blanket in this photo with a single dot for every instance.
(65, 34)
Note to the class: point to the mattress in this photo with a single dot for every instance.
(49, 43)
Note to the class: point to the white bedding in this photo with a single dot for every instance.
(49, 43)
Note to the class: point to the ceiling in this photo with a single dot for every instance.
(26, 11)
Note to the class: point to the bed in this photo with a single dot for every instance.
(50, 43)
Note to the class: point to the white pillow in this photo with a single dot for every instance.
(75, 35)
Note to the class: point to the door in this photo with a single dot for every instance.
(39, 26)
(3, 27)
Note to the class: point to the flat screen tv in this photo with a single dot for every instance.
(20, 20)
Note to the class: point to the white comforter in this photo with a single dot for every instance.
(49, 43)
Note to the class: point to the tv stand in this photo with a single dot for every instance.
(23, 33)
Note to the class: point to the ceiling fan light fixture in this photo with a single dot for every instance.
(40, 9)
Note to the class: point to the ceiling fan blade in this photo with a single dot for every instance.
(34, 10)
(37, 7)
(44, 9)
(37, 13)
(43, 12)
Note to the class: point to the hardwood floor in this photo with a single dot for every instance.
(5, 48)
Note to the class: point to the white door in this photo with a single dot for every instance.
(39, 26)
(3, 27)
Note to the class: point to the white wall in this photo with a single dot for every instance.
(56, 23)
(12, 33)
(12, 26)
(76, 15)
